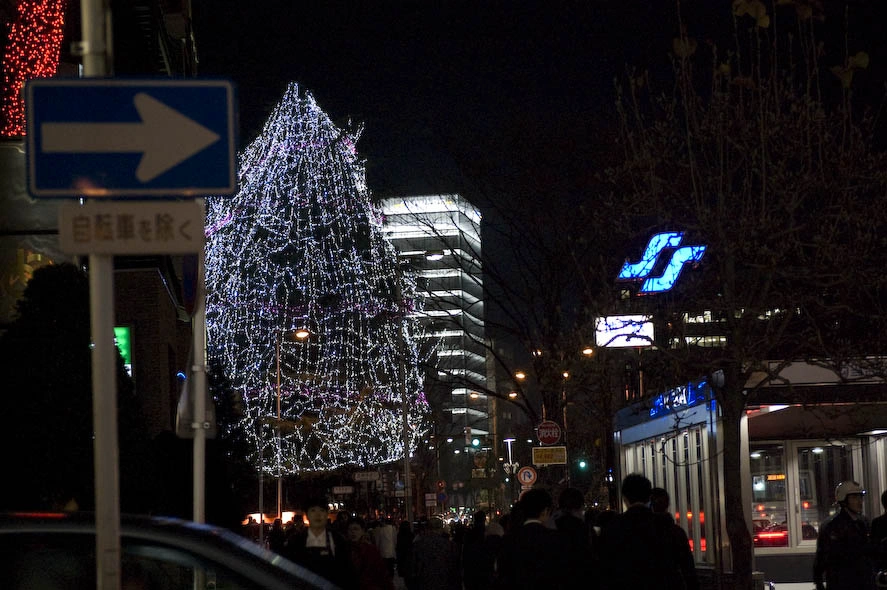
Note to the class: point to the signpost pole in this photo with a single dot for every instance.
(104, 369)
(198, 372)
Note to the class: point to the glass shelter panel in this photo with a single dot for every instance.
(677, 463)
(793, 486)
(769, 495)
(820, 468)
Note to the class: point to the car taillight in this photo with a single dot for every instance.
(53, 515)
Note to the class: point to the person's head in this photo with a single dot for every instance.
(849, 494)
(318, 511)
(480, 520)
(636, 489)
(494, 529)
(536, 504)
(570, 500)
(659, 500)
(605, 518)
(356, 530)
(435, 526)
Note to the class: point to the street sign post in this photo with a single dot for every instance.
(548, 432)
(134, 138)
(366, 476)
(526, 476)
(549, 456)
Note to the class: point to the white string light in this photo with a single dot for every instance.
(301, 246)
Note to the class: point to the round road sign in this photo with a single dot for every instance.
(526, 476)
(548, 432)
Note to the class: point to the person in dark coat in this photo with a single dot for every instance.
(435, 559)
(879, 536)
(638, 548)
(571, 525)
(321, 549)
(533, 555)
(844, 555)
(472, 558)
(277, 537)
(370, 569)
(404, 550)
(660, 501)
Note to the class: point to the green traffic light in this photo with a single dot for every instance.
(475, 442)
(582, 464)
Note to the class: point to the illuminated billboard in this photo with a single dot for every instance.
(619, 331)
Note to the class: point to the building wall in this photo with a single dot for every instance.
(160, 343)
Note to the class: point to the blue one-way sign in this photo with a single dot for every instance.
(137, 138)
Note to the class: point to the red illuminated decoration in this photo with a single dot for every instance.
(32, 51)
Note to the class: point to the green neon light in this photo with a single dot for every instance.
(123, 340)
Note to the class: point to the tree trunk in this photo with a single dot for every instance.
(737, 529)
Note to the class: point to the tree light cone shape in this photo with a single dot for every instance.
(301, 246)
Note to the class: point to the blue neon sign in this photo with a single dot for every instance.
(680, 257)
(679, 398)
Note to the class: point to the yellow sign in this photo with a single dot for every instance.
(775, 476)
(549, 455)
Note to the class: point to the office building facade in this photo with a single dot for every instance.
(438, 237)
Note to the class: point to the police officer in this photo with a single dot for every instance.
(843, 550)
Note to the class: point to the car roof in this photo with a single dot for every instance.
(206, 541)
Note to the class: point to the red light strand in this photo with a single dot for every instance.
(32, 51)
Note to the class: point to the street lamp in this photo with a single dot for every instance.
(511, 467)
(404, 405)
(566, 375)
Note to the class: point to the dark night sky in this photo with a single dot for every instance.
(453, 95)
(476, 97)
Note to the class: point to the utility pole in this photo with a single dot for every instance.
(404, 405)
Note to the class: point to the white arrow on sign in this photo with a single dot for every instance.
(164, 136)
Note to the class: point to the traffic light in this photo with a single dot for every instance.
(581, 470)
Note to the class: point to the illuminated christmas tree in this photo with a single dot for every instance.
(300, 246)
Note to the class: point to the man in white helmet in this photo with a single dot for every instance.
(843, 550)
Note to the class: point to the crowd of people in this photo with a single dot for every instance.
(540, 545)
(536, 545)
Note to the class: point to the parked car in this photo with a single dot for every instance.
(57, 550)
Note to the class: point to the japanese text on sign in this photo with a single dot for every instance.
(131, 227)
(106, 227)
(549, 455)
